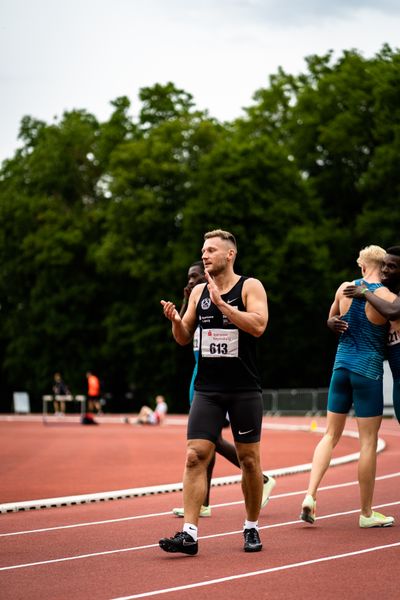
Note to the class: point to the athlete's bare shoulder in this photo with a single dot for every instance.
(344, 285)
(253, 288)
(252, 283)
(197, 292)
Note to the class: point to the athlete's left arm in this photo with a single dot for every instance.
(255, 319)
(387, 305)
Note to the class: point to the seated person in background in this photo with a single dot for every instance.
(147, 416)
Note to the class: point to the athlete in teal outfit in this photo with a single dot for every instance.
(391, 310)
(356, 379)
(358, 368)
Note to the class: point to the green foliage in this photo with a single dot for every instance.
(99, 222)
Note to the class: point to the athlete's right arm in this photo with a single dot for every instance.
(183, 327)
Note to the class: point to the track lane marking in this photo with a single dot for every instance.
(205, 537)
(169, 513)
(261, 572)
(27, 505)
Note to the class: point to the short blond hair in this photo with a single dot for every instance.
(371, 254)
(223, 235)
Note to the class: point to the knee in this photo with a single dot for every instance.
(195, 457)
(333, 437)
(369, 442)
(250, 463)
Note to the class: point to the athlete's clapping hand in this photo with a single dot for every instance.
(212, 288)
(170, 311)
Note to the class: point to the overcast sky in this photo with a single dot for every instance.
(58, 55)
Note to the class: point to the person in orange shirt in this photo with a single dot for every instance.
(93, 394)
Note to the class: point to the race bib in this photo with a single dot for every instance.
(220, 343)
(196, 340)
(393, 336)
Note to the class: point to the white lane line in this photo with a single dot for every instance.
(205, 537)
(177, 487)
(305, 563)
(169, 513)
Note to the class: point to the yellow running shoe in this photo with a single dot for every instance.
(205, 511)
(268, 486)
(309, 510)
(376, 520)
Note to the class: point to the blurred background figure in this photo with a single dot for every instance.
(93, 393)
(59, 389)
(147, 416)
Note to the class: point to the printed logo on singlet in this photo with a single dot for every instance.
(206, 303)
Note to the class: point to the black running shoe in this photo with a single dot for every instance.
(181, 542)
(252, 542)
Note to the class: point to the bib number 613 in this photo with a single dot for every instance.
(218, 348)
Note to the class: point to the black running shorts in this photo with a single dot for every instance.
(208, 410)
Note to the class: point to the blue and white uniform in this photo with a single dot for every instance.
(358, 368)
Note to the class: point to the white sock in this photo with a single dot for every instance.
(250, 524)
(191, 530)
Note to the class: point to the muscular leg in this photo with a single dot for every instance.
(252, 478)
(368, 428)
(323, 451)
(198, 455)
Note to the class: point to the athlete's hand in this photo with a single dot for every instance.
(355, 291)
(170, 311)
(337, 325)
(212, 288)
(187, 291)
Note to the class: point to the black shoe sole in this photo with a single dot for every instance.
(167, 546)
(255, 549)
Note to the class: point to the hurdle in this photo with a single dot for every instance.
(63, 398)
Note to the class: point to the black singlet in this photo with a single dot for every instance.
(227, 357)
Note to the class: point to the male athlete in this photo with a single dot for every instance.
(222, 446)
(390, 277)
(356, 381)
(232, 312)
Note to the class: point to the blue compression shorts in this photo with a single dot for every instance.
(348, 388)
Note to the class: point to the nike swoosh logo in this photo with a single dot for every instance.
(185, 543)
(230, 301)
(244, 432)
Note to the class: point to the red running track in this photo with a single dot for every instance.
(110, 550)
